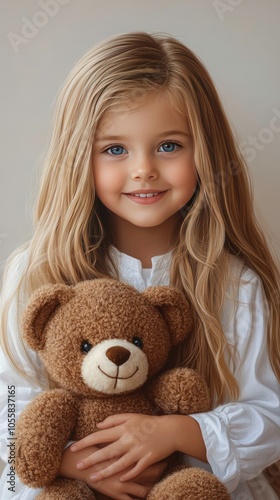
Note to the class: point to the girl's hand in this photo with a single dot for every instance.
(137, 488)
(111, 486)
(136, 442)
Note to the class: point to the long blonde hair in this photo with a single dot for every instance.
(71, 241)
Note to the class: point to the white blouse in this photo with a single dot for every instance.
(241, 438)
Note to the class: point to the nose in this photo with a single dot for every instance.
(144, 169)
(118, 355)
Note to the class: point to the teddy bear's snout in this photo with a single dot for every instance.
(115, 365)
(118, 355)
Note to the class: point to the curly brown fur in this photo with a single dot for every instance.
(189, 484)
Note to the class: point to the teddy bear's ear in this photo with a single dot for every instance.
(175, 309)
(39, 310)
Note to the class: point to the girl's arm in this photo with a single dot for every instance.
(144, 439)
(241, 438)
(141, 440)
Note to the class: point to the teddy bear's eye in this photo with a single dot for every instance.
(85, 346)
(138, 342)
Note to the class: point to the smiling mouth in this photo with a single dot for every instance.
(116, 377)
(145, 197)
(144, 193)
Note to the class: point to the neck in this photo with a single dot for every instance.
(143, 243)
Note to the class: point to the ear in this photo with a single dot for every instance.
(39, 310)
(175, 309)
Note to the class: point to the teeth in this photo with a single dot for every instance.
(147, 195)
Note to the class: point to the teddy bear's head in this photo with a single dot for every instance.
(102, 336)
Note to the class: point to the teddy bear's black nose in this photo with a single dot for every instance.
(118, 355)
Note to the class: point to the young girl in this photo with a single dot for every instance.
(143, 182)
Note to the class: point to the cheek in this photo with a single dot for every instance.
(107, 181)
(184, 182)
(184, 175)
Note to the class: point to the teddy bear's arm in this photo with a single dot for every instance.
(42, 431)
(179, 391)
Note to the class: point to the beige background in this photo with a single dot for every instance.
(238, 40)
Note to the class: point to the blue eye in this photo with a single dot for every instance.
(116, 150)
(169, 147)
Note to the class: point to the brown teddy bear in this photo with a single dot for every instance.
(105, 344)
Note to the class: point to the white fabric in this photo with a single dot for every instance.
(241, 438)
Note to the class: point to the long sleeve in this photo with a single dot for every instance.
(24, 390)
(243, 438)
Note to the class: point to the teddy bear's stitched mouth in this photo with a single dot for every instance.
(116, 377)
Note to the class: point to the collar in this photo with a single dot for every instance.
(131, 271)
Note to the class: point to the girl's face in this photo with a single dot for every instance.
(143, 162)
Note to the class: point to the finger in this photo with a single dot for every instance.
(152, 473)
(104, 436)
(135, 471)
(137, 490)
(114, 420)
(121, 496)
(118, 466)
(102, 455)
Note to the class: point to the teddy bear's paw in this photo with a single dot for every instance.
(66, 489)
(189, 484)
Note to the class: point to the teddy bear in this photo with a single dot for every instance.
(105, 346)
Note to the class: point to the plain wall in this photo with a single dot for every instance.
(238, 40)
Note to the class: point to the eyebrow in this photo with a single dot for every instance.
(120, 137)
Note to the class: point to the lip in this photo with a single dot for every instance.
(145, 191)
(145, 201)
